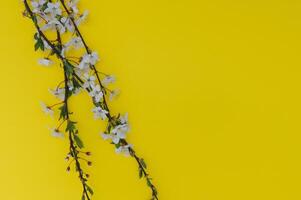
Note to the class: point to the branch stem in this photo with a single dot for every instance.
(57, 51)
(154, 191)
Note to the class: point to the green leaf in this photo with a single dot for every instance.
(34, 19)
(69, 68)
(140, 173)
(89, 189)
(70, 126)
(149, 182)
(76, 84)
(117, 145)
(42, 47)
(63, 111)
(109, 128)
(36, 36)
(36, 46)
(83, 197)
(155, 192)
(78, 141)
(143, 163)
(39, 42)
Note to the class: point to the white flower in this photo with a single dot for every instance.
(115, 138)
(74, 90)
(37, 5)
(58, 93)
(52, 25)
(46, 109)
(93, 58)
(68, 23)
(88, 59)
(118, 133)
(45, 61)
(90, 80)
(73, 5)
(83, 65)
(125, 149)
(75, 42)
(61, 28)
(82, 18)
(105, 136)
(100, 113)
(113, 94)
(96, 93)
(108, 79)
(124, 119)
(120, 130)
(82, 71)
(56, 133)
(53, 9)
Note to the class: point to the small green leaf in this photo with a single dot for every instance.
(42, 47)
(69, 68)
(63, 111)
(83, 197)
(78, 141)
(149, 182)
(44, 6)
(76, 84)
(39, 42)
(34, 19)
(154, 191)
(70, 126)
(140, 173)
(36, 46)
(52, 52)
(89, 189)
(143, 163)
(116, 145)
(36, 36)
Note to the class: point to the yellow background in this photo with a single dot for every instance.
(212, 89)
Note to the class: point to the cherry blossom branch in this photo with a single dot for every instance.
(79, 73)
(65, 113)
(73, 148)
(141, 164)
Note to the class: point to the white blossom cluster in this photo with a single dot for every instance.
(51, 17)
(118, 133)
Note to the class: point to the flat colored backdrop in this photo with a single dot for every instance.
(212, 89)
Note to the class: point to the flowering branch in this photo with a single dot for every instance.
(140, 161)
(79, 73)
(65, 113)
